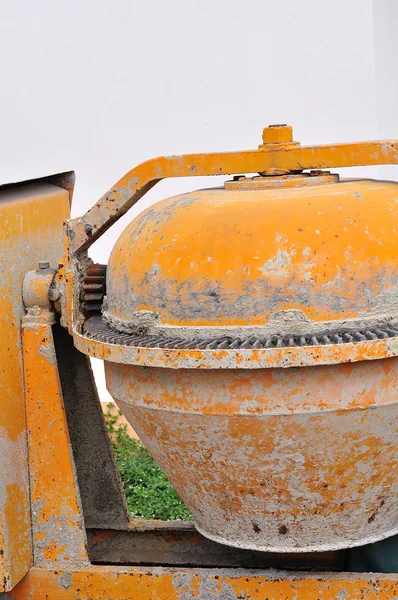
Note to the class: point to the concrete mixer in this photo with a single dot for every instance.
(249, 334)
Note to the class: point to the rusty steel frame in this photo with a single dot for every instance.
(142, 583)
(57, 521)
(136, 183)
(31, 218)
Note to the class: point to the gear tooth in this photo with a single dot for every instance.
(93, 289)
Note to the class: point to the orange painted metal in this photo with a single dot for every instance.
(31, 218)
(278, 134)
(277, 155)
(235, 404)
(58, 531)
(132, 186)
(222, 259)
(277, 460)
(124, 583)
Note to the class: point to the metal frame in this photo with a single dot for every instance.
(285, 157)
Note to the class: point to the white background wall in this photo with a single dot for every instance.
(100, 85)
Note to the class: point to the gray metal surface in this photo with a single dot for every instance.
(103, 499)
(179, 544)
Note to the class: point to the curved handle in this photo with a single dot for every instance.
(279, 153)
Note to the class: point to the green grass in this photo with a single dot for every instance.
(149, 494)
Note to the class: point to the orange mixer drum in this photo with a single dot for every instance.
(256, 314)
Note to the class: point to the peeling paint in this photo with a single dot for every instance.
(274, 460)
(281, 157)
(277, 265)
(31, 217)
(272, 251)
(57, 522)
(124, 583)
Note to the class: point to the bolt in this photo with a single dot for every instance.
(277, 134)
(43, 264)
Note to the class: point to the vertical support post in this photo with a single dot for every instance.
(59, 538)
